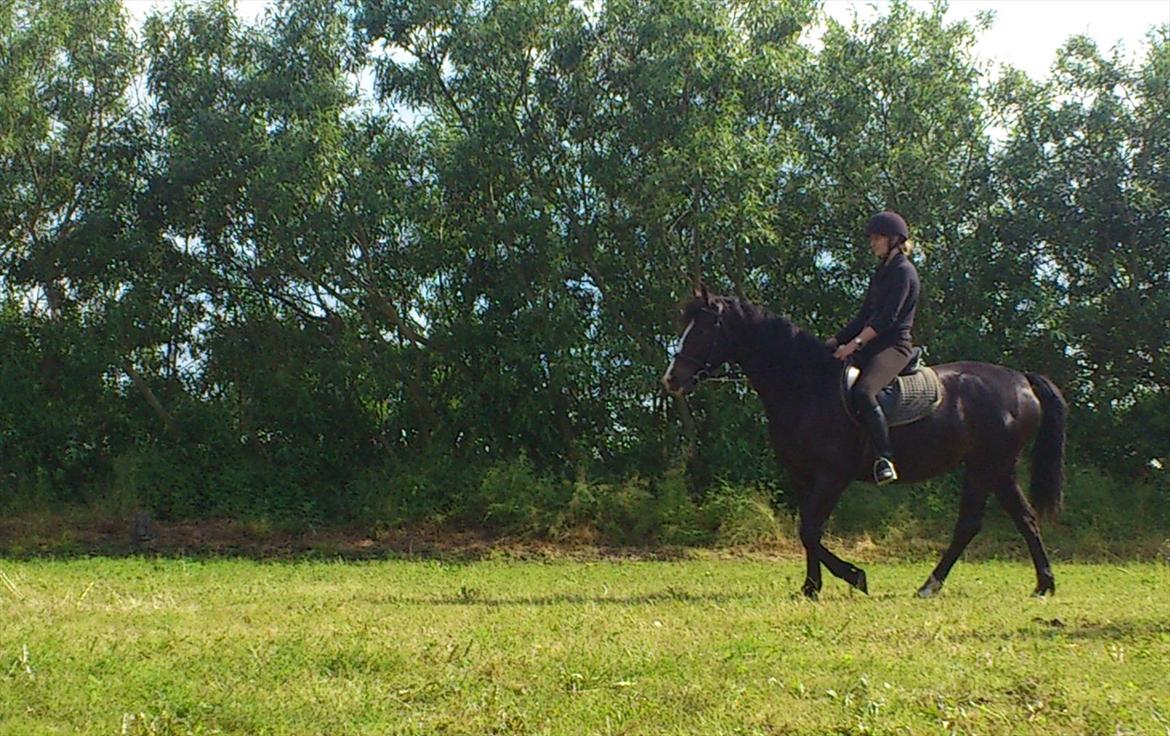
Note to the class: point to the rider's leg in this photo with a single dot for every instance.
(878, 372)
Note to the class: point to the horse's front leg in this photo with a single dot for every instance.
(812, 576)
(847, 571)
(810, 539)
(810, 535)
(814, 512)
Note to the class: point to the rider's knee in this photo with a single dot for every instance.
(863, 397)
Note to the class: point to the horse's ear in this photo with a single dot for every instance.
(702, 293)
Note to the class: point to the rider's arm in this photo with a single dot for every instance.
(888, 303)
(867, 333)
(849, 331)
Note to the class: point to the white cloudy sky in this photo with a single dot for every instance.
(1026, 33)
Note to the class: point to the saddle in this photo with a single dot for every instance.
(913, 395)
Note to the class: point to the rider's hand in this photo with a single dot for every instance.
(831, 344)
(845, 350)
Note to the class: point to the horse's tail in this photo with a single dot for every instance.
(1048, 455)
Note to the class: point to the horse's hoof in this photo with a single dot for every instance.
(930, 588)
(859, 582)
(1044, 590)
(810, 590)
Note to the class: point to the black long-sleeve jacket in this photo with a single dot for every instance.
(889, 306)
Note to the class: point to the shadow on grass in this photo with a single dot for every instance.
(472, 597)
(1050, 629)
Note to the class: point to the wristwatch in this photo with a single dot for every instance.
(857, 341)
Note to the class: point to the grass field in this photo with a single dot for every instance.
(700, 646)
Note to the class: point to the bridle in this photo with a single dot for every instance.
(703, 369)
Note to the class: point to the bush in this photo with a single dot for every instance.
(513, 498)
(741, 516)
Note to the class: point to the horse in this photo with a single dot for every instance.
(986, 416)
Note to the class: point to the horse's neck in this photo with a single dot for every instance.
(787, 381)
(760, 351)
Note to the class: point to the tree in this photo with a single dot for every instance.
(1085, 193)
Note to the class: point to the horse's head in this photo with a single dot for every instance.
(704, 345)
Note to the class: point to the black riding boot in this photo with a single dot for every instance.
(879, 435)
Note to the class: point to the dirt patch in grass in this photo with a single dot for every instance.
(81, 532)
(74, 535)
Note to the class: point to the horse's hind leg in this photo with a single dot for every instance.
(971, 505)
(1012, 499)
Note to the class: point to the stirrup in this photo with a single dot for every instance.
(884, 471)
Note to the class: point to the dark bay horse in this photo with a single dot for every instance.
(988, 414)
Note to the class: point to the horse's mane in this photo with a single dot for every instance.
(778, 342)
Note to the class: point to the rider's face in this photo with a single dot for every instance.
(880, 245)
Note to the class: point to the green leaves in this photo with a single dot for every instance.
(452, 229)
(1084, 192)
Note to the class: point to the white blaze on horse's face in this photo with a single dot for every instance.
(682, 342)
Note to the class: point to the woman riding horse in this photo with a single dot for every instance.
(878, 339)
(987, 415)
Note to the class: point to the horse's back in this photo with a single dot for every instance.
(976, 368)
(994, 401)
(990, 383)
(987, 411)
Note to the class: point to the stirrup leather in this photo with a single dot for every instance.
(884, 471)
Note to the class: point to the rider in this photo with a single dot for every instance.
(878, 338)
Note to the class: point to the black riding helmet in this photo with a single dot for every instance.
(888, 223)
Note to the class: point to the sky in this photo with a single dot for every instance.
(1026, 33)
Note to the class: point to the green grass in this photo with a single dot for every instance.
(703, 646)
